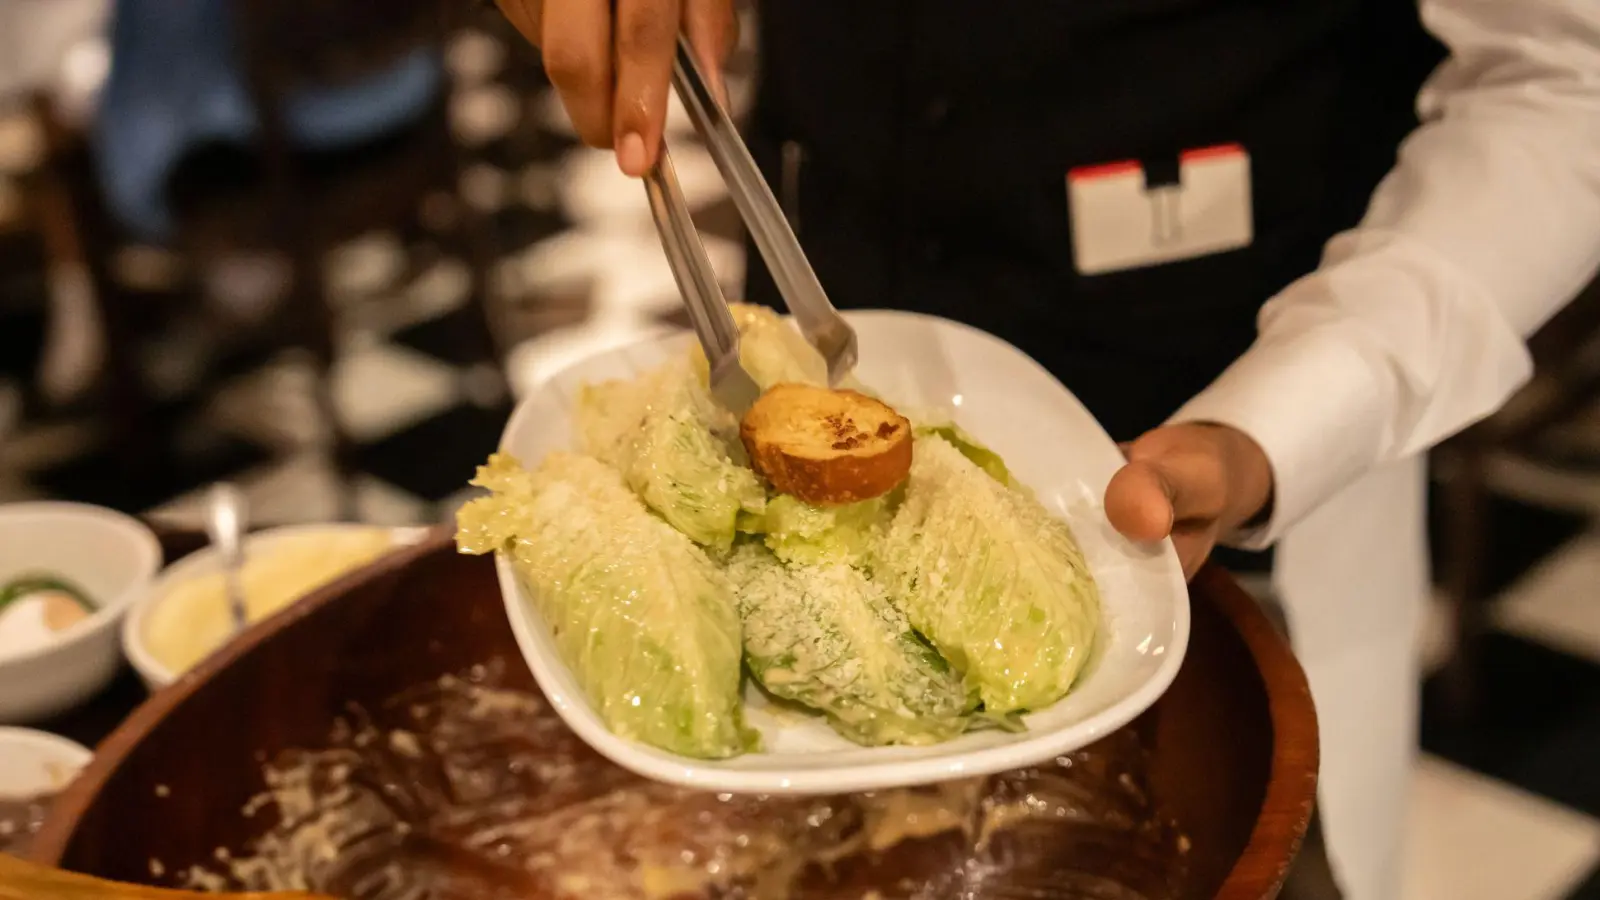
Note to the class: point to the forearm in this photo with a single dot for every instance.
(1414, 325)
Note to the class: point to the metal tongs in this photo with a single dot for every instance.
(819, 321)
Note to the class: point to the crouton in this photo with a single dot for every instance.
(827, 447)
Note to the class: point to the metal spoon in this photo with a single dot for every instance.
(225, 526)
(27, 881)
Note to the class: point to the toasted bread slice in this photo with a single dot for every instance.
(827, 447)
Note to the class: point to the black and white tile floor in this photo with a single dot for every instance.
(1506, 809)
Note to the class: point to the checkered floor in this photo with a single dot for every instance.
(1509, 806)
(1505, 809)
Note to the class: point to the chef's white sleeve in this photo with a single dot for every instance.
(1414, 325)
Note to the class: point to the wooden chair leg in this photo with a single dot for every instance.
(313, 321)
(342, 449)
(313, 328)
(1467, 534)
(77, 232)
(316, 330)
(474, 242)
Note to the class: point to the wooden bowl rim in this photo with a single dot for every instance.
(1279, 829)
(70, 806)
(1291, 794)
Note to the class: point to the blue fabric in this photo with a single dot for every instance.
(176, 83)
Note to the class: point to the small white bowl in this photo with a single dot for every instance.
(110, 556)
(157, 674)
(1048, 440)
(34, 763)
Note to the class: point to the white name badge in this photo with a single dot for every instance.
(1120, 222)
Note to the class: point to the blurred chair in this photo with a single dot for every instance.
(36, 36)
(275, 195)
(1565, 386)
(55, 48)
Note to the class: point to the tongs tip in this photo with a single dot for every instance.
(733, 387)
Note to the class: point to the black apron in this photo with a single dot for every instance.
(921, 148)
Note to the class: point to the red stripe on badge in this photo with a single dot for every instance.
(1104, 170)
(1204, 153)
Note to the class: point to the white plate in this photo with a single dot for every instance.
(1049, 441)
(33, 763)
(111, 557)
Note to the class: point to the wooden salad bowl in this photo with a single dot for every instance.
(1232, 745)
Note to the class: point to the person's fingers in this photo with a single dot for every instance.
(1193, 482)
(1194, 545)
(1174, 476)
(712, 27)
(1190, 465)
(525, 15)
(1139, 503)
(575, 38)
(646, 39)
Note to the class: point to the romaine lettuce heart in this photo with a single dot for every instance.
(826, 636)
(662, 432)
(991, 578)
(643, 618)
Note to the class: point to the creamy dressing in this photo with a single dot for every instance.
(473, 791)
(192, 619)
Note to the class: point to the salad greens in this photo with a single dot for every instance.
(801, 533)
(643, 617)
(981, 456)
(660, 562)
(826, 635)
(994, 581)
(664, 433)
(770, 350)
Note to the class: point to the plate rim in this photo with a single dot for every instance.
(661, 765)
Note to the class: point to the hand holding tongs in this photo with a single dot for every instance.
(821, 324)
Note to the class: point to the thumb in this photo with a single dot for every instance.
(1175, 475)
(1140, 502)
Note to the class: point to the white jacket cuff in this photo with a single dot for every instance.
(1313, 451)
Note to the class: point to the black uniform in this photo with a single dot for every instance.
(922, 146)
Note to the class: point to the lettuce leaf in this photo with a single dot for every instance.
(771, 349)
(666, 435)
(801, 533)
(991, 578)
(974, 450)
(828, 637)
(774, 352)
(643, 618)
